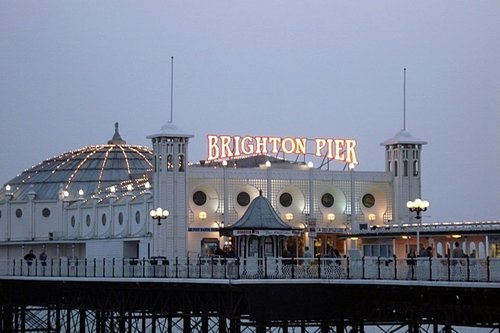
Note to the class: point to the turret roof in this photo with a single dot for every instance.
(403, 137)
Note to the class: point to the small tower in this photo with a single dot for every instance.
(403, 160)
(170, 156)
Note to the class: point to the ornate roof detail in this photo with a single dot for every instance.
(260, 215)
(117, 139)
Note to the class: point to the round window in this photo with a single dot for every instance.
(199, 198)
(103, 219)
(243, 199)
(73, 221)
(286, 199)
(138, 217)
(120, 218)
(368, 200)
(327, 200)
(46, 212)
(87, 221)
(19, 212)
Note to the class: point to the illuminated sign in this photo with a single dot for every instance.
(222, 147)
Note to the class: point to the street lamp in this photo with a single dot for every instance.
(159, 214)
(418, 206)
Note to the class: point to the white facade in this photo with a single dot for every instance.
(113, 220)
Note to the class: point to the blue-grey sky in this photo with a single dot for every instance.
(70, 69)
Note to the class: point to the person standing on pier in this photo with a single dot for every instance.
(29, 257)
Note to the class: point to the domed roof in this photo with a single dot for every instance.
(92, 169)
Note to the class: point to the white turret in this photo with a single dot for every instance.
(403, 160)
(170, 156)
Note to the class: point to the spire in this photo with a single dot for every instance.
(404, 100)
(117, 139)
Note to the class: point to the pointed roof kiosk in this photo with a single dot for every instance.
(260, 231)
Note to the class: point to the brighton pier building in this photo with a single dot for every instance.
(95, 202)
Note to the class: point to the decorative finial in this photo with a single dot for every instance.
(117, 139)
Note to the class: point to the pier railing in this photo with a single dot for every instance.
(372, 268)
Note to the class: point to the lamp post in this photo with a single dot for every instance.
(418, 206)
(159, 214)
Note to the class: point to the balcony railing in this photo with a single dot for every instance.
(370, 268)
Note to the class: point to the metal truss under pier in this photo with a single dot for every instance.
(163, 305)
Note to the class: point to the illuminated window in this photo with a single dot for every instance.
(181, 163)
(286, 199)
(243, 199)
(170, 163)
(199, 198)
(327, 200)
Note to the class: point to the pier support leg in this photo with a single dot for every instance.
(260, 328)
(7, 319)
(222, 325)
(83, 320)
(234, 326)
(204, 324)
(186, 323)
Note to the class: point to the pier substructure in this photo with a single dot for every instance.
(92, 305)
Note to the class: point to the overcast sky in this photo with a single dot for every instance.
(70, 69)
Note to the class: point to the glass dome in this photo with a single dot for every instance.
(92, 169)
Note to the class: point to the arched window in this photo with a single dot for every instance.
(170, 163)
(405, 168)
(396, 168)
(415, 168)
(181, 163)
(481, 250)
(268, 246)
(253, 246)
